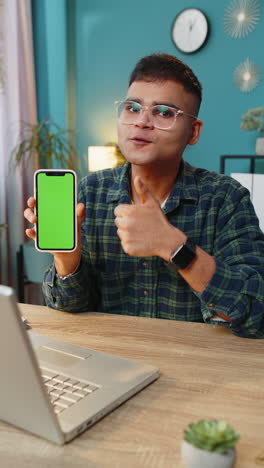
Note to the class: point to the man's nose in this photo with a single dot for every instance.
(144, 119)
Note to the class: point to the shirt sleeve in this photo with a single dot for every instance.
(77, 293)
(237, 286)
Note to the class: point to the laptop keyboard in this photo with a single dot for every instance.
(65, 391)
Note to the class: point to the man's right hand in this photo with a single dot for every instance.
(65, 262)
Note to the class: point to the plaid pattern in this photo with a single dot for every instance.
(213, 210)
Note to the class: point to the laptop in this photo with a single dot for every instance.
(54, 389)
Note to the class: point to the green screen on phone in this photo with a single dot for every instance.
(55, 203)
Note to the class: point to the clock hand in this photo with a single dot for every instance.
(192, 24)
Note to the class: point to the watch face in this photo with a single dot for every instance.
(190, 30)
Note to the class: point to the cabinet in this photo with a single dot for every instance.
(253, 181)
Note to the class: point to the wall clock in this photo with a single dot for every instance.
(190, 30)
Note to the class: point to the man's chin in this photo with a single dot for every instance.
(139, 161)
(139, 157)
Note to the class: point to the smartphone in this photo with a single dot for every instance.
(55, 194)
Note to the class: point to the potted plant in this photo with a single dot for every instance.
(254, 120)
(47, 144)
(209, 444)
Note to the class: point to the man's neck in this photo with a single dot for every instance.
(158, 180)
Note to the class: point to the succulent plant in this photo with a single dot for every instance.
(214, 436)
(253, 120)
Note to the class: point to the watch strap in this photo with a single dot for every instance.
(183, 256)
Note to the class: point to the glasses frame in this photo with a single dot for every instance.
(142, 108)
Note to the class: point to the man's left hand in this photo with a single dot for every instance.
(143, 229)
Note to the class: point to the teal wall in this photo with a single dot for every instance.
(49, 33)
(92, 45)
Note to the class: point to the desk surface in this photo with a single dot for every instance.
(206, 372)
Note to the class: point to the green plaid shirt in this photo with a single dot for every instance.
(213, 210)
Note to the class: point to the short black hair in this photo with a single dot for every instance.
(161, 67)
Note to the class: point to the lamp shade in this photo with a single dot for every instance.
(101, 157)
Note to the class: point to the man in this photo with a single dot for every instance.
(157, 237)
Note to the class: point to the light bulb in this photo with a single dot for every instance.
(241, 16)
(247, 76)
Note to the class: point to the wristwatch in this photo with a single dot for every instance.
(183, 256)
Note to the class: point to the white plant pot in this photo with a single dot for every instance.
(260, 146)
(193, 457)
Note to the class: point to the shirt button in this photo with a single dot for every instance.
(211, 304)
(146, 293)
(145, 264)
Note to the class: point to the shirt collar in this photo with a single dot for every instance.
(120, 189)
(184, 188)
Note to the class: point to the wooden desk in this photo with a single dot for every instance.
(206, 372)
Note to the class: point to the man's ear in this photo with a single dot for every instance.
(195, 131)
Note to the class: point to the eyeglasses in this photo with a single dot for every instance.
(161, 116)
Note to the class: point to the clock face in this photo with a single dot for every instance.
(190, 30)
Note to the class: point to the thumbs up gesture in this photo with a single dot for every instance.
(143, 229)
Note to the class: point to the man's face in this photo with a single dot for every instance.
(143, 144)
